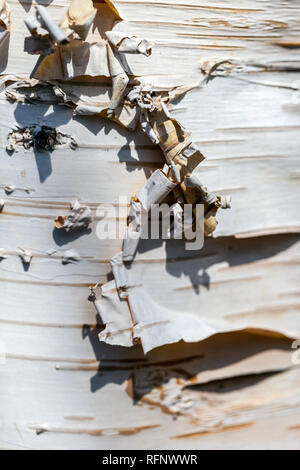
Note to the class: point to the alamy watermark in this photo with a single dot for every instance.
(178, 221)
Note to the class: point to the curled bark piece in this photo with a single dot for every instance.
(79, 18)
(119, 84)
(80, 56)
(130, 244)
(24, 90)
(79, 218)
(195, 191)
(119, 79)
(156, 188)
(10, 188)
(175, 171)
(210, 222)
(2, 203)
(5, 23)
(5, 16)
(129, 44)
(177, 227)
(88, 99)
(83, 102)
(190, 150)
(3, 253)
(156, 325)
(25, 255)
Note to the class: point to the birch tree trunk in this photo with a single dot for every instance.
(62, 388)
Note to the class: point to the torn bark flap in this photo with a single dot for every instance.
(133, 231)
(40, 138)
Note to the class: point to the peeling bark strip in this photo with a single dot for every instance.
(79, 218)
(64, 53)
(216, 406)
(39, 138)
(203, 433)
(242, 67)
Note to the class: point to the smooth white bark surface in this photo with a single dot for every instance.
(62, 388)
